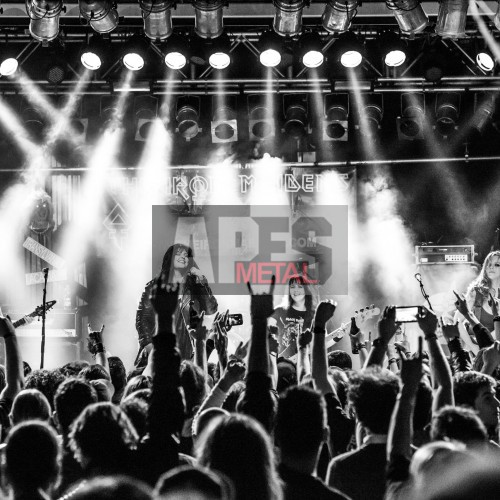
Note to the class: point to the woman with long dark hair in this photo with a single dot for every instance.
(194, 296)
(294, 316)
(478, 292)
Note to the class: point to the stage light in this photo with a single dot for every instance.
(393, 49)
(157, 17)
(32, 118)
(484, 107)
(485, 61)
(187, 114)
(288, 17)
(208, 20)
(338, 15)
(371, 115)
(44, 18)
(135, 50)
(93, 53)
(410, 124)
(310, 50)
(447, 112)
(348, 50)
(270, 47)
(145, 113)
(296, 116)
(218, 52)
(335, 117)
(224, 125)
(261, 122)
(109, 113)
(101, 14)
(409, 15)
(9, 66)
(452, 16)
(176, 51)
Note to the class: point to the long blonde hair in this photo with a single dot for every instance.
(482, 283)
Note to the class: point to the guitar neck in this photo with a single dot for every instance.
(23, 321)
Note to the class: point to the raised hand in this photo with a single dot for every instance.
(241, 351)
(427, 321)
(387, 325)
(6, 327)
(261, 305)
(164, 300)
(450, 332)
(304, 339)
(461, 305)
(412, 370)
(95, 335)
(273, 344)
(324, 312)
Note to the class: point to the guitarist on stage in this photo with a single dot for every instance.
(297, 315)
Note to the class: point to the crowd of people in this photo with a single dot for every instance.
(259, 426)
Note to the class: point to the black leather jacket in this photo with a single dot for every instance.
(195, 289)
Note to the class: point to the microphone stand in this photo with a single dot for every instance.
(44, 312)
(418, 277)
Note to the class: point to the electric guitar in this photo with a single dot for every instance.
(360, 316)
(25, 320)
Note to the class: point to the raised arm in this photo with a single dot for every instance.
(303, 360)
(483, 336)
(324, 312)
(386, 330)
(14, 368)
(100, 351)
(401, 426)
(442, 380)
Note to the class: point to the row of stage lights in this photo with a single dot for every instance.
(102, 15)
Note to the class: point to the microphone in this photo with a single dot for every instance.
(418, 277)
(45, 271)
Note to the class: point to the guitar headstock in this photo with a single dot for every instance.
(39, 310)
(366, 313)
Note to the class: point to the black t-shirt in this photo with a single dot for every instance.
(290, 323)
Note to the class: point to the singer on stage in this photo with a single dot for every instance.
(180, 267)
(478, 292)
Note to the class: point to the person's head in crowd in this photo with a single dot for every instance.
(137, 411)
(458, 423)
(118, 377)
(301, 428)
(239, 447)
(71, 398)
(194, 385)
(477, 390)
(287, 374)
(475, 478)
(102, 438)
(232, 396)
(204, 419)
(73, 368)
(431, 460)
(112, 488)
(26, 369)
(136, 384)
(94, 372)
(46, 381)
(265, 412)
(30, 404)
(339, 359)
(193, 483)
(341, 383)
(31, 460)
(372, 394)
